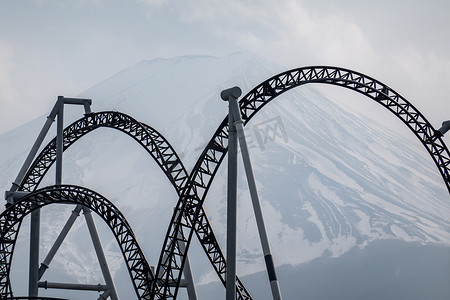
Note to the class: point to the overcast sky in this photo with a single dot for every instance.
(56, 47)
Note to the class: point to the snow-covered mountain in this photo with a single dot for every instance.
(329, 179)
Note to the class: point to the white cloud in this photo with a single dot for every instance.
(9, 90)
(419, 65)
(286, 30)
(6, 67)
(422, 77)
(16, 102)
(153, 2)
(76, 3)
(289, 32)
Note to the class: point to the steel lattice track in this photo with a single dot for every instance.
(189, 206)
(157, 146)
(151, 140)
(137, 265)
(189, 214)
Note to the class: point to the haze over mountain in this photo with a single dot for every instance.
(332, 183)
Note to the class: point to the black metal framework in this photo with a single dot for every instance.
(189, 215)
(150, 139)
(138, 267)
(189, 206)
(161, 151)
(34, 298)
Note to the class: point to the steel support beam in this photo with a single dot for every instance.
(33, 273)
(231, 199)
(59, 140)
(191, 291)
(238, 124)
(100, 254)
(183, 283)
(73, 286)
(189, 278)
(59, 240)
(48, 123)
(105, 295)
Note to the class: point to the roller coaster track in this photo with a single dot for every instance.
(190, 203)
(137, 265)
(161, 151)
(189, 213)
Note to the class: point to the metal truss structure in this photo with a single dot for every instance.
(189, 205)
(159, 149)
(189, 216)
(137, 265)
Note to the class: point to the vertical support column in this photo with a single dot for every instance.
(238, 123)
(34, 254)
(231, 206)
(59, 140)
(33, 276)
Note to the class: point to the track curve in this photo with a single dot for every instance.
(161, 151)
(190, 203)
(150, 139)
(137, 265)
